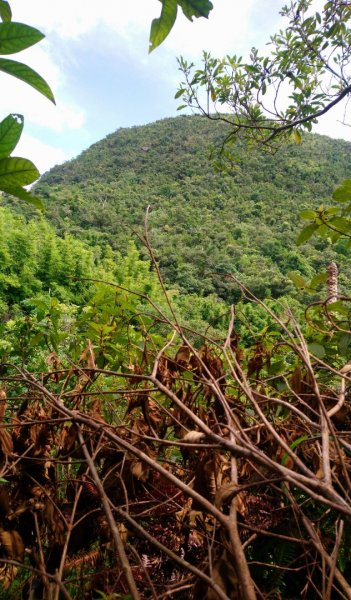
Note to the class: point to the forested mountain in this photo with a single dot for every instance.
(201, 222)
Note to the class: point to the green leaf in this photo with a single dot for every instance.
(277, 367)
(306, 233)
(161, 27)
(195, 8)
(294, 445)
(15, 37)
(5, 11)
(341, 224)
(16, 171)
(10, 132)
(308, 214)
(297, 279)
(179, 93)
(316, 349)
(344, 343)
(343, 192)
(333, 210)
(25, 73)
(318, 279)
(22, 194)
(296, 135)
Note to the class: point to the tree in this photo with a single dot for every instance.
(305, 74)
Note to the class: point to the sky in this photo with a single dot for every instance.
(95, 58)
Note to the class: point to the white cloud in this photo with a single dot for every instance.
(74, 18)
(42, 155)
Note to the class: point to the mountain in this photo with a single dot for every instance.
(203, 225)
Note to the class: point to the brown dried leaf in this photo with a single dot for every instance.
(193, 437)
(52, 517)
(136, 401)
(123, 532)
(6, 443)
(68, 438)
(7, 575)
(139, 470)
(295, 381)
(6, 542)
(225, 492)
(54, 363)
(3, 398)
(182, 356)
(12, 544)
(164, 372)
(18, 545)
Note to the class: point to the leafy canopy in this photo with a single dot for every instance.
(283, 92)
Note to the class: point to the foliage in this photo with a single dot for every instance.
(222, 470)
(282, 92)
(203, 224)
(15, 172)
(333, 222)
(161, 27)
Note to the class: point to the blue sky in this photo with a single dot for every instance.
(95, 57)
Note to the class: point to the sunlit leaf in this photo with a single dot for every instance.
(343, 192)
(308, 214)
(161, 27)
(26, 74)
(306, 233)
(341, 224)
(10, 132)
(16, 171)
(296, 135)
(297, 279)
(179, 93)
(195, 8)
(15, 37)
(22, 194)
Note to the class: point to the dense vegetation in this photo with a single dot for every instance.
(202, 223)
(155, 443)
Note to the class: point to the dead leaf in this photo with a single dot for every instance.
(193, 437)
(6, 443)
(139, 471)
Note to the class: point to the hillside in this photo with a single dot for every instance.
(201, 223)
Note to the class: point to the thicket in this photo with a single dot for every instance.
(139, 466)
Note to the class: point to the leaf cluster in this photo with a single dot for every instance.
(16, 172)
